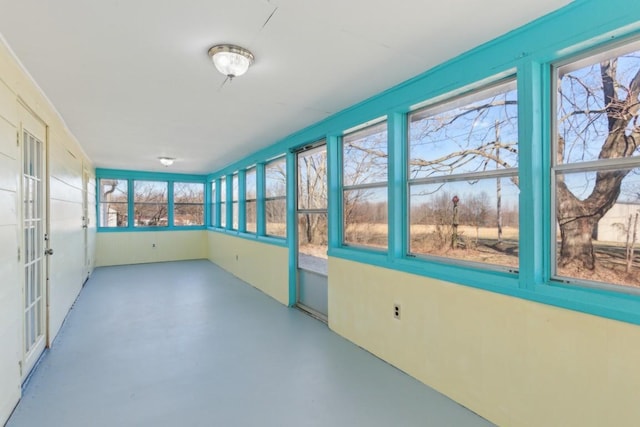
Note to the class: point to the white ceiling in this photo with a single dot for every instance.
(133, 81)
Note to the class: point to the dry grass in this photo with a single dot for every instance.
(610, 261)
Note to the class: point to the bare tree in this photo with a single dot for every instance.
(617, 96)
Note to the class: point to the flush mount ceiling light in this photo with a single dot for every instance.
(231, 60)
(166, 161)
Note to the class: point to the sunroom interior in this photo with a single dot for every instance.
(453, 188)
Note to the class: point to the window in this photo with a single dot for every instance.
(114, 202)
(596, 169)
(463, 178)
(150, 203)
(364, 194)
(275, 204)
(213, 214)
(250, 198)
(223, 202)
(234, 201)
(188, 203)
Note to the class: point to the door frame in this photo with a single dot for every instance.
(34, 125)
(296, 212)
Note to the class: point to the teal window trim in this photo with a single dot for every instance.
(334, 185)
(530, 50)
(532, 159)
(261, 228)
(170, 202)
(131, 176)
(268, 240)
(397, 190)
(292, 225)
(207, 203)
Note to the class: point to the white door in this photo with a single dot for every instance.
(34, 226)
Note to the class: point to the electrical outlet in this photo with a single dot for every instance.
(396, 311)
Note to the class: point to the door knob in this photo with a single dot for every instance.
(48, 251)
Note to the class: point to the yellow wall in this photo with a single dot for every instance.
(120, 248)
(67, 270)
(512, 361)
(263, 266)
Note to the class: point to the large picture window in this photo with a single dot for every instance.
(150, 203)
(463, 178)
(596, 168)
(188, 203)
(364, 196)
(114, 202)
(275, 204)
(250, 201)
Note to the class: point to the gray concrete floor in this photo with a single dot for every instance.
(187, 344)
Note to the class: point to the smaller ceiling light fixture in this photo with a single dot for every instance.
(231, 60)
(166, 161)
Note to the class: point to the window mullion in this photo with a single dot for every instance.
(171, 205)
(397, 216)
(532, 185)
(334, 204)
(260, 200)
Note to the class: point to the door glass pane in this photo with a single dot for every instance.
(312, 179)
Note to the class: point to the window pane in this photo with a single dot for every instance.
(276, 216)
(150, 203)
(234, 216)
(595, 246)
(312, 179)
(365, 155)
(251, 217)
(590, 104)
(276, 178)
(188, 214)
(113, 203)
(223, 189)
(365, 217)
(481, 227)
(213, 204)
(474, 133)
(250, 185)
(223, 202)
(234, 187)
(188, 192)
(188, 202)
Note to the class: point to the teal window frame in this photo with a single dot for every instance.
(529, 53)
(130, 176)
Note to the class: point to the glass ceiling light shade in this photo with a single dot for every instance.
(231, 60)
(166, 161)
